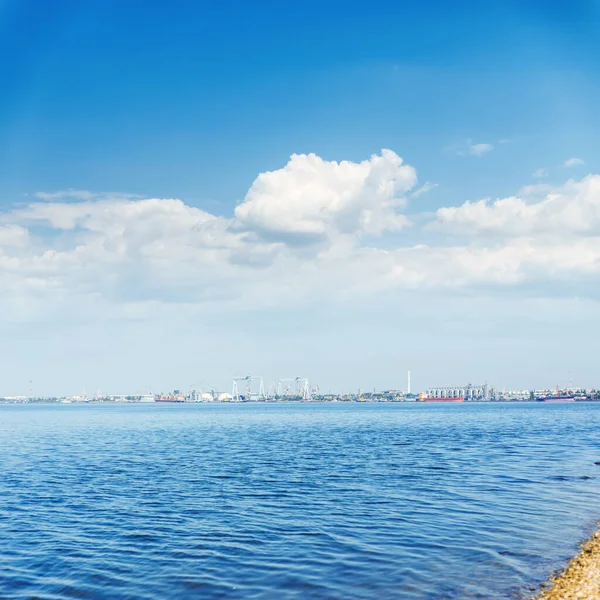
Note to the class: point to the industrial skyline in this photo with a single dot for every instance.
(252, 388)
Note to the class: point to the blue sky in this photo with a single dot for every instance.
(193, 100)
(136, 97)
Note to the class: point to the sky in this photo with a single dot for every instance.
(193, 191)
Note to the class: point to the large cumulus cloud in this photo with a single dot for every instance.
(310, 198)
(306, 231)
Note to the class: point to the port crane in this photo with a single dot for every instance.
(248, 394)
(294, 387)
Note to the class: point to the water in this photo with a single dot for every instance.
(299, 501)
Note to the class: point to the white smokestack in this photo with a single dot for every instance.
(408, 386)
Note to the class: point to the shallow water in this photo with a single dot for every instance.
(293, 501)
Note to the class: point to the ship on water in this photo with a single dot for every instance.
(443, 399)
(558, 396)
(162, 398)
(428, 399)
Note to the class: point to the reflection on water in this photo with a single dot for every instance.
(293, 501)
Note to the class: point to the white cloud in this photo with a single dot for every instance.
(571, 208)
(480, 149)
(72, 194)
(311, 199)
(540, 173)
(65, 194)
(520, 260)
(536, 189)
(469, 148)
(426, 187)
(573, 162)
(128, 253)
(149, 249)
(13, 236)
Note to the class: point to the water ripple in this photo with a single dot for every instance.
(297, 501)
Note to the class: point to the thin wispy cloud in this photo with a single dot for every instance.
(82, 195)
(537, 189)
(480, 149)
(540, 173)
(426, 187)
(68, 194)
(469, 148)
(573, 162)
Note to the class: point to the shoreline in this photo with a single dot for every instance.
(580, 579)
(263, 402)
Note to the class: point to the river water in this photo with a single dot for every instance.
(324, 501)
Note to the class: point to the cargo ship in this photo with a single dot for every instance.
(443, 399)
(557, 398)
(169, 399)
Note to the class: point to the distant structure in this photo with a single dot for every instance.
(124, 397)
(294, 387)
(303, 388)
(468, 392)
(249, 390)
(408, 383)
(286, 387)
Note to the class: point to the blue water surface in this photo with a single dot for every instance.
(296, 501)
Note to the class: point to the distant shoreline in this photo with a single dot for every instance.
(263, 402)
(580, 580)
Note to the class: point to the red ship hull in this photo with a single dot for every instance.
(459, 399)
(567, 399)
